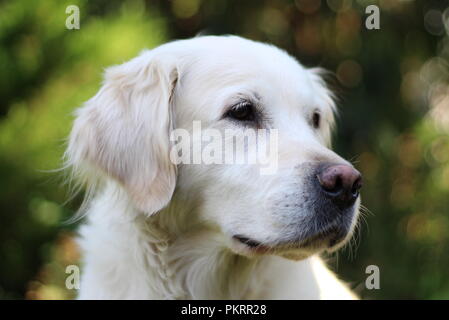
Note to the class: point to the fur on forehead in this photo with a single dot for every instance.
(232, 58)
(240, 63)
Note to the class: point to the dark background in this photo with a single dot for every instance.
(393, 89)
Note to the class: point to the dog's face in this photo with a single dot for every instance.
(309, 203)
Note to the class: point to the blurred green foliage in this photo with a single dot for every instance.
(393, 88)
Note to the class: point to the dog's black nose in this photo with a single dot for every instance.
(341, 183)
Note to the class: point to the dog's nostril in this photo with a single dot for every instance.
(341, 183)
(356, 187)
(334, 186)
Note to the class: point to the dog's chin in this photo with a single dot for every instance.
(292, 250)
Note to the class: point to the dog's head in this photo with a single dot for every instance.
(308, 203)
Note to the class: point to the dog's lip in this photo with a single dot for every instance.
(331, 234)
(325, 239)
(248, 241)
(252, 244)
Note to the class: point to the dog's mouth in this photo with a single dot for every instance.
(253, 246)
(327, 239)
(247, 241)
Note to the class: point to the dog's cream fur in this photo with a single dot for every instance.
(159, 231)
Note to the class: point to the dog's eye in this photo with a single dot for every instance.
(244, 111)
(316, 119)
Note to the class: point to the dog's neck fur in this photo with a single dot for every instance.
(169, 263)
(196, 265)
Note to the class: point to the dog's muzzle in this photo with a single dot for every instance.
(336, 188)
(333, 190)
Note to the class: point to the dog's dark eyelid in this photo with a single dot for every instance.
(242, 111)
(316, 119)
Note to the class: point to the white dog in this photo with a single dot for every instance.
(157, 230)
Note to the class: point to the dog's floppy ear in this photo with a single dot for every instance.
(123, 131)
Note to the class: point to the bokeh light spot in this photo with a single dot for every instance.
(349, 73)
